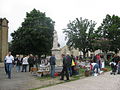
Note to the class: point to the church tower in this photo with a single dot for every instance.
(3, 38)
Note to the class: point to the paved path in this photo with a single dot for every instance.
(25, 81)
(101, 82)
(21, 81)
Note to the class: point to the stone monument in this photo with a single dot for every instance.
(56, 49)
(3, 38)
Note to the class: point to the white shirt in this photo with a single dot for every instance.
(9, 59)
(25, 60)
(93, 64)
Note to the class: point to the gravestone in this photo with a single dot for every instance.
(3, 38)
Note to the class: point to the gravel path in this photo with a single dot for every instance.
(101, 82)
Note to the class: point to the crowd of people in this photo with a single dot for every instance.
(98, 60)
(71, 64)
(21, 63)
(115, 64)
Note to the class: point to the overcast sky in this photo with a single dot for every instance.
(60, 11)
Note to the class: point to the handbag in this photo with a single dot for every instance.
(73, 63)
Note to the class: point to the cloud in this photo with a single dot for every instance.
(61, 11)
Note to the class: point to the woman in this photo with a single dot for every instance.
(24, 64)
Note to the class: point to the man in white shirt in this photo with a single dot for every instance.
(95, 66)
(9, 60)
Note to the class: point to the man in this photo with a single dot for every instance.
(69, 63)
(52, 64)
(37, 61)
(95, 66)
(31, 62)
(17, 60)
(65, 68)
(9, 60)
(98, 58)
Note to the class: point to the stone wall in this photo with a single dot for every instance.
(66, 50)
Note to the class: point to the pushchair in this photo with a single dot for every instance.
(119, 67)
(113, 67)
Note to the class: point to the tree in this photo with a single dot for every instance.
(80, 34)
(110, 31)
(35, 35)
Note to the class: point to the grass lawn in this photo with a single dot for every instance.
(57, 81)
(108, 67)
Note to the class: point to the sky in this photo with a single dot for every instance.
(60, 11)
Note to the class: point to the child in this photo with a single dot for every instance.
(113, 67)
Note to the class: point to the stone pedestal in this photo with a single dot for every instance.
(57, 53)
(56, 49)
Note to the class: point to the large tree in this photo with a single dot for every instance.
(109, 32)
(35, 35)
(80, 34)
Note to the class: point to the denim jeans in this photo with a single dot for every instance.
(95, 67)
(64, 72)
(9, 69)
(24, 68)
(18, 68)
(99, 64)
(52, 71)
(5, 68)
(70, 71)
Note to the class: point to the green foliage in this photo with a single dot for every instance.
(35, 35)
(109, 32)
(80, 34)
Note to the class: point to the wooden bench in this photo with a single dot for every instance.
(40, 73)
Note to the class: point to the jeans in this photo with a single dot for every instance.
(95, 67)
(17, 68)
(52, 71)
(5, 68)
(30, 66)
(24, 68)
(37, 65)
(70, 71)
(64, 72)
(9, 69)
(99, 64)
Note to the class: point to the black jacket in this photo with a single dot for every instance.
(52, 60)
(31, 60)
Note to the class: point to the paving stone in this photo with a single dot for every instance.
(101, 82)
